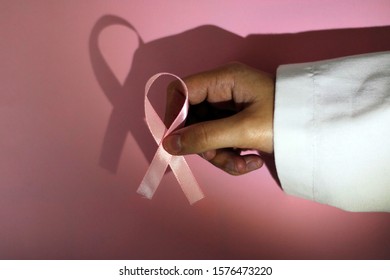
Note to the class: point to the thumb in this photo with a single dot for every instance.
(205, 136)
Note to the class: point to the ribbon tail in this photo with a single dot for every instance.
(186, 179)
(155, 173)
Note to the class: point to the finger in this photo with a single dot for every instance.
(208, 155)
(234, 163)
(213, 86)
(174, 103)
(210, 135)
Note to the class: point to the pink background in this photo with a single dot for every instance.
(69, 165)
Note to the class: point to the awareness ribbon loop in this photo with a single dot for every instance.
(162, 159)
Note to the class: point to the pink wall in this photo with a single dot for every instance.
(69, 167)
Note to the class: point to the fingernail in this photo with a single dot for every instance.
(229, 167)
(252, 165)
(172, 144)
(208, 155)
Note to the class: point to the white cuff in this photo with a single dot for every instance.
(293, 138)
(331, 131)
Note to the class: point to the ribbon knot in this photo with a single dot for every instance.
(162, 159)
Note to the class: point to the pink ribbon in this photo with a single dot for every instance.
(162, 159)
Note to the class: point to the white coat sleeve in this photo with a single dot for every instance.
(332, 131)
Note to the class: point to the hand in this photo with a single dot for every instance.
(248, 95)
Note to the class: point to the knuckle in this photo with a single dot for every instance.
(197, 140)
(202, 137)
(237, 68)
